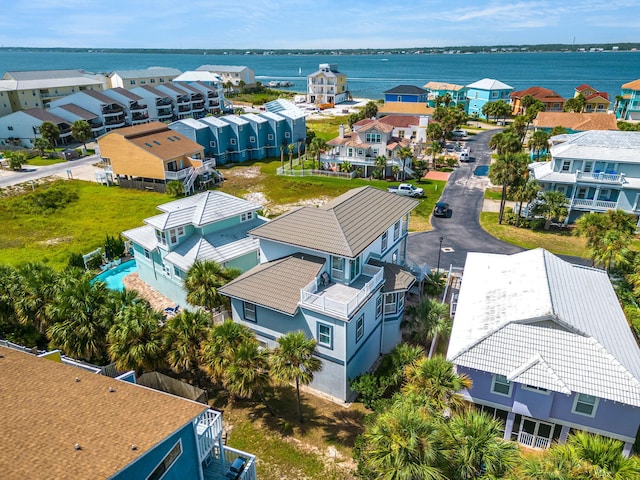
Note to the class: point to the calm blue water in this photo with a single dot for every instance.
(370, 75)
(113, 277)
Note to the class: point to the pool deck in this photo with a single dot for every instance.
(155, 298)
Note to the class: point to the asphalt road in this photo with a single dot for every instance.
(461, 232)
(34, 173)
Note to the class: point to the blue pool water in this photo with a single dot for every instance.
(481, 171)
(113, 277)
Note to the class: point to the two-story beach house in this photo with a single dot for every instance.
(111, 113)
(231, 73)
(335, 273)
(327, 85)
(406, 93)
(547, 347)
(150, 155)
(597, 171)
(69, 422)
(373, 138)
(484, 91)
(153, 76)
(457, 93)
(208, 226)
(551, 100)
(628, 103)
(595, 101)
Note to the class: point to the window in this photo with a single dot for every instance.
(212, 144)
(153, 80)
(400, 301)
(337, 267)
(566, 165)
(166, 270)
(396, 230)
(401, 133)
(375, 152)
(354, 268)
(132, 82)
(270, 136)
(360, 152)
(249, 312)
(384, 242)
(287, 134)
(359, 328)
(585, 405)
(535, 389)
(406, 224)
(390, 303)
(501, 385)
(494, 94)
(166, 462)
(9, 127)
(373, 138)
(588, 166)
(162, 80)
(379, 306)
(399, 99)
(147, 254)
(177, 272)
(161, 237)
(142, 82)
(232, 141)
(325, 335)
(246, 216)
(252, 139)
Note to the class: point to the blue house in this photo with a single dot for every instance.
(335, 273)
(69, 422)
(485, 91)
(276, 125)
(295, 125)
(406, 93)
(258, 137)
(209, 226)
(548, 348)
(219, 140)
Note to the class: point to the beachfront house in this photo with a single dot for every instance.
(181, 100)
(21, 128)
(595, 101)
(484, 91)
(373, 138)
(294, 127)
(160, 105)
(552, 101)
(276, 126)
(597, 170)
(153, 76)
(209, 226)
(335, 273)
(628, 102)
(148, 156)
(547, 347)
(575, 122)
(111, 113)
(231, 73)
(66, 421)
(439, 90)
(327, 86)
(24, 90)
(406, 93)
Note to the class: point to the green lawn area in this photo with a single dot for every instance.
(79, 227)
(493, 194)
(43, 162)
(558, 242)
(327, 128)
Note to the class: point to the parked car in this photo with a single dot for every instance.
(459, 133)
(407, 189)
(442, 209)
(464, 155)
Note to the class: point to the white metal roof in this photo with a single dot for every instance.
(614, 146)
(198, 76)
(148, 72)
(542, 321)
(489, 84)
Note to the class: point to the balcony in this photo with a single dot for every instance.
(140, 116)
(184, 108)
(600, 177)
(164, 102)
(136, 107)
(112, 110)
(177, 174)
(533, 441)
(593, 205)
(338, 298)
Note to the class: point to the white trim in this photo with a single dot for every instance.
(493, 384)
(593, 411)
(590, 429)
(533, 388)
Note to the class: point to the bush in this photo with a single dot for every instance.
(537, 223)
(114, 247)
(369, 388)
(76, 260)
(94, 262)
(48, 199)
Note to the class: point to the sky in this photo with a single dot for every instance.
(318, 24)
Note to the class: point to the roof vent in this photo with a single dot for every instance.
(77, 379)
(133, 447)
(77, 446)
(111, 389)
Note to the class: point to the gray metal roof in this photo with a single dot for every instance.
(202, 209)
(276, 285)
(148, 72)
(542, 321)
(222, 68)
(407, 89)
(345, 226)
(145, 236)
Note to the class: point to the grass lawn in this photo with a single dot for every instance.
(493, 194)
(320, 448)
(79, 227)
(328, 128)
(558, 242)
(43, 162)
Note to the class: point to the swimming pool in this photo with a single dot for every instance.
(113, 277)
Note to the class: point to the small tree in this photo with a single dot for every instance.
(15, 159)
(50, 132)
(175, 188)
(40, 144)
(81, 131)
(554, 206)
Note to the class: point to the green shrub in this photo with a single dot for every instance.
(76, 260)
(369, 388)
(537, 223)
(47, 199)
(94, 262)
(113, 247)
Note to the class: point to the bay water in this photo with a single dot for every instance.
(368, 76)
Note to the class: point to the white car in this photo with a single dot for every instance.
(459, 133)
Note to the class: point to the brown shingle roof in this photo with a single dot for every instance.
(101, 97)
(45, 412)
(79, 111)
(126, 93)
(376, 125)
(345, 226)
(276, 285)
(45, 116)
(576, 121)
(396, 121)
(443, 86)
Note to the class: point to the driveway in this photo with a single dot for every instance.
(80, 169)
(461, 232)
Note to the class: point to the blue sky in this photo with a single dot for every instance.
(331, 24)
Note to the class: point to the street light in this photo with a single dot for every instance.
(439, 252)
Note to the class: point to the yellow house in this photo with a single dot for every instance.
(327, 85)
(148, 156)
(595, 101)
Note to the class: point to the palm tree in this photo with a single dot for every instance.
(507, 170)
(613, 250)
(183, 335)
(41, 144)
(293, 360)
(35, 290)
(405, 153)
(554, 206)
(525, 192)
(539, 141)
(135, 338)
(402, 443)
(202, 282)
(291, 147)
(50, 132)
(475, 447)
(218, 348)
(248, 371)
(318, 146)
(425, 321)
(81, 131)
(174, 188)
(434, 380)
(434, 150)
(380, 165)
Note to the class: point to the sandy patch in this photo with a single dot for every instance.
(56, 241)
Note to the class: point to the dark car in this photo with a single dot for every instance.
(442, 210)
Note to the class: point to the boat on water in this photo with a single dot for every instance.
(279, 83)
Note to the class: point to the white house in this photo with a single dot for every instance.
(153, 76)
(231, 73)
(22, 127)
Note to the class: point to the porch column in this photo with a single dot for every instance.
(626, 451)
(508, 426)
(564, 433)
(596, 196)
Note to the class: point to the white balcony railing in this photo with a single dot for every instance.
(209, 431)
(533, 441)
(310, 297)
(178, 175)
(600, 205)
(600, 177)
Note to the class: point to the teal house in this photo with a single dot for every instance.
(628, 103)
(456, 93)
(209, 226)
(484, 91)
